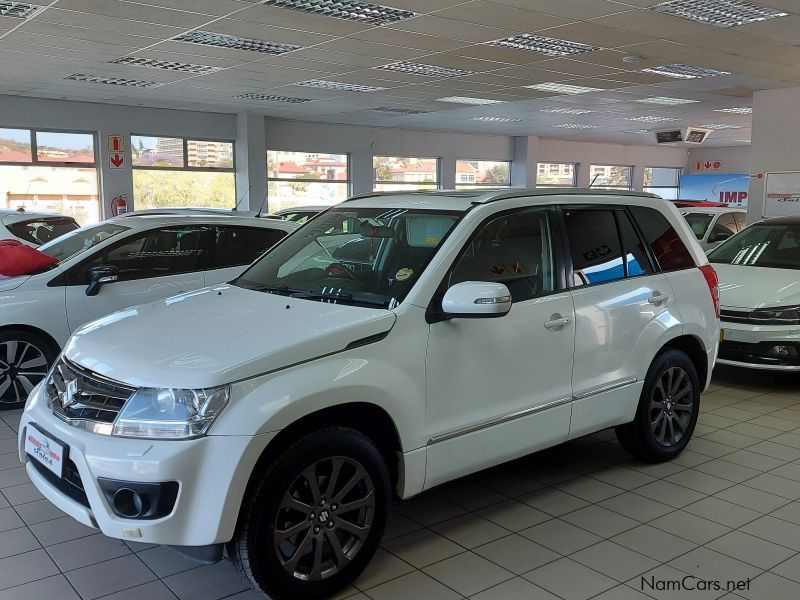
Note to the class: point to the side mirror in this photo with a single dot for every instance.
(100, 275)
(476, 299)
(720, 236)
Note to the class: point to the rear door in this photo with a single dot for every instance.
(622, 306)
(237, 246)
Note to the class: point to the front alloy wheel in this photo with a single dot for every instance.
(671, 406)
(24, 362)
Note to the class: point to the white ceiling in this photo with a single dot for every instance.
(82, 36)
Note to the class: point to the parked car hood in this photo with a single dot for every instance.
(218, 335)
(757, 287)
(11, 283)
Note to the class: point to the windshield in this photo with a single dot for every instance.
(361, 256)
(772, 246)
(699, 223)
(80, 240)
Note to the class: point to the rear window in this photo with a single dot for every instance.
(699, 223)
(668, 247)
(41, 231)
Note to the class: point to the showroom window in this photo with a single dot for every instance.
(49, 171)
(472, 174)
(611, 177)
(173, 172)
(297, 179)
(404, 173)
(556, 175)
(664, 181)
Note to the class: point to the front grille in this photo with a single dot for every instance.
(756, 317)
(69, 483)
(734, 316)
(75, 393)
(762, 353)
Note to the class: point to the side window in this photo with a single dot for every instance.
(668, 248)
(594, 244)
(741, 220)
(724, 228)
(156, 253)
(515, 250)
(636, 259)
(237, 246)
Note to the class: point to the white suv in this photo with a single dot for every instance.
(393, 343)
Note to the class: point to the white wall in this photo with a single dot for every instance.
(734, 159)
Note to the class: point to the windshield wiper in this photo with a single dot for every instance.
(283, 290)
(339, 297)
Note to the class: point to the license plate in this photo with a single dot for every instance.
(721, 335)
(45, 449)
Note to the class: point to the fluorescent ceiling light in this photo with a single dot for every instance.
(113, 80)
(221, 40)
(681, 71)
(650, 119)
(337, 85)
(496, 119)
(413, 68)
(567, 111)
(637, 131)
(361, 12)
(19, 10)
(721, 126)
(719, 13)
(543, 45)
(167, 65)
(399, 111)
(576, 126)
(466, 100)
(664, 101)
(739, 110)
(271, 98)
(561, 88)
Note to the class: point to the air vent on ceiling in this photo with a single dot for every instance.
(489, 119)
(221, 40)
(468, 100)
(666, 101)
(337, 85)
(543, 45)
(719, 13)
(350, 10)
(567, 111)
(399, 111)
(19, 10)
(561, 88)
(737, 110)
(576, 126)
(696, 135)
(721, 126)
(669, 137)
(412, 68)
(166, 65)
(139, 83)
(650, 119)
(638, 131)
(271, 98)
(681, 71)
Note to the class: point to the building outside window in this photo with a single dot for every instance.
(556, 175)
(404, 173)
(664, 181)
(297, 179)
(180, 172)
(49, 171)
(611, 177)
(483, 173)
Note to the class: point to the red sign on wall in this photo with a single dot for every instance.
(708, 165)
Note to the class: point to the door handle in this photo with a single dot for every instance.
(658, 298)
(557, 322)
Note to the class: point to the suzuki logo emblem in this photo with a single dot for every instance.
(67, 397)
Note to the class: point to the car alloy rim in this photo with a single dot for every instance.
(22, 366)
(324, 518)
(671, 406)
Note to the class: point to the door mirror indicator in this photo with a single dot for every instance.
(476, 299)
(99, 276)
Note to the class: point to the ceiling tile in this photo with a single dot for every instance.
(450, 29)
(597, 35)
(483, 12)
(571, 9)
(407, 39)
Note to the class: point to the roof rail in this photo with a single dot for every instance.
(483, 196)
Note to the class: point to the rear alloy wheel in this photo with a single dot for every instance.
(25, 359)
(316, 516)
(667, 412)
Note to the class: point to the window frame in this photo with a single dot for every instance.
(35, 162)
(653, 189)
(409, 184)
(474, 184)
(346, 182)
(185, 143)
(219, 226)
(613, 187)
(575, 167)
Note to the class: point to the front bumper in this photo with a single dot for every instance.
(212, 474)
(751, 346)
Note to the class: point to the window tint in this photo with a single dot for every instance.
(775, 246)
(242, 245)
(515, 250)
(41, 231)
(594, 245)
(157, 253)
(636, 260)
(741, 220)
(724, 228)
(668, 248)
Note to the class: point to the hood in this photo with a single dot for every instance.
(218, 335)
(11, 283)
(757, 287)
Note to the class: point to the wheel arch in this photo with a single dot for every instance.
(34, 330)
(693, 347)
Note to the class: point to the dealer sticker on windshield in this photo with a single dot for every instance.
(44, 449)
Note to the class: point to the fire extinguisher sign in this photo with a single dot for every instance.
(116, 151)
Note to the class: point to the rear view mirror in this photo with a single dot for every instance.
(99, 276)
(476, 299)
(384, 232)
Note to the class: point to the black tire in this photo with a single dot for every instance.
(25, 359)
(658, 408)
(268, 511)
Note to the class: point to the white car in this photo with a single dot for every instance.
(712, 226)
(110, 266)
(34, 229)
(759, 271)
(279, 413)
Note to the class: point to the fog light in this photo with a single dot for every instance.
(783, 351)
(139, 500)
(128, 503)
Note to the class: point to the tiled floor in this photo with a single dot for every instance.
(580, 521)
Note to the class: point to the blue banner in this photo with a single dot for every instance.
(728, 188)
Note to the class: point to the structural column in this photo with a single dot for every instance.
(523, 163)
(251, 162)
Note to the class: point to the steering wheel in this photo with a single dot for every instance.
(339, 270)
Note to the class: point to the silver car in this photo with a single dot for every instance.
(712, 225)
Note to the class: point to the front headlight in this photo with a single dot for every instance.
(170, 413)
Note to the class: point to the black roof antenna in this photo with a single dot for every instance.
(593, 180)
(239, 201)
(263, 202)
